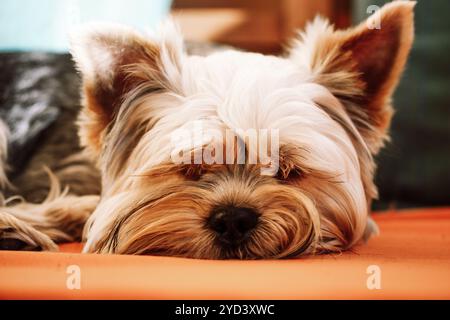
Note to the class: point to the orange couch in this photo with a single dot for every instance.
(412, 252)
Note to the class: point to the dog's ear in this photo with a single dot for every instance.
(113, 61)
(361, 66)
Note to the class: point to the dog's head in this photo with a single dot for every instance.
(168, 131)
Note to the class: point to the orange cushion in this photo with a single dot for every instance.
(412, 252)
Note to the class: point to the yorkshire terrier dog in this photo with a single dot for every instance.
(325, 108)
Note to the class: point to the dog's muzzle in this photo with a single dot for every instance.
(233, 225)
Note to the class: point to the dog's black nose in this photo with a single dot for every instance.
(233, 224)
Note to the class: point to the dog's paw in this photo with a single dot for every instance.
(17, 235)
(371, 229)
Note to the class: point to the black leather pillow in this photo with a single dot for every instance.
(34, 88)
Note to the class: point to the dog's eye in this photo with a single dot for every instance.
(289, 174)
(192, 172)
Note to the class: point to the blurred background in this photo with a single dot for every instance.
(414, 169)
